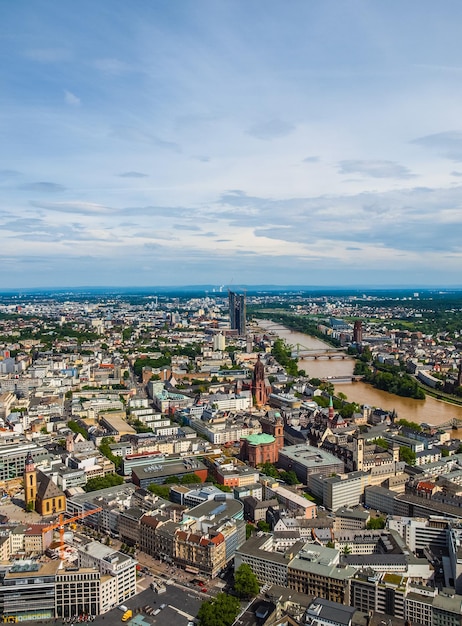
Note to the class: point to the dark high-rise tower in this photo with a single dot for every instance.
(237, 311)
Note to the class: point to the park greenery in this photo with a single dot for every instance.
(110, 480)
(105, 450)
(283, 355)
(389, 378)
(77, 428)
(162, 361)
(290, 478)
(162, 491)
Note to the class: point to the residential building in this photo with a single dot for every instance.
(322, 612)
(340, 490)
(290, 500)
(269, 566)
(316, 571)
(119, 568)
(350, 519)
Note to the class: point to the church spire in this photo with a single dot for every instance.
(331, 409)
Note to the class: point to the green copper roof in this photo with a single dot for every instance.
(260, 438)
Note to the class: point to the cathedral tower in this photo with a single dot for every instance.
(258, 383)
(30, 483)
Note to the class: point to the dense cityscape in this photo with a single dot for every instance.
(170, 455)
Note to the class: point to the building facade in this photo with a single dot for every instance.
(237, 312)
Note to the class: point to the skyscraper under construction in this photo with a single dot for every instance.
(237, 311)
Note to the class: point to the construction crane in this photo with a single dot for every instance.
(64, 522)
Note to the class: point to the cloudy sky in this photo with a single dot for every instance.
(176, 142)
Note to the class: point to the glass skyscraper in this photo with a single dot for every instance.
(237, 311)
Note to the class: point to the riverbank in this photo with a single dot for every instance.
(440, 395)
(431, 410)
(300, 325)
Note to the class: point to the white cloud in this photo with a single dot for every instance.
(375, 169)
(71, 98)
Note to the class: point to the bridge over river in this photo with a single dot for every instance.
(302, 352)
(455, 422)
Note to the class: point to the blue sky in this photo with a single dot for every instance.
(181, 142)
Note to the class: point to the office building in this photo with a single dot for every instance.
(306, 460)
(315, 571)
(237, 312)
(118, 572)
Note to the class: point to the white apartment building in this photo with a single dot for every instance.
(224, 431)
(268, 565)
(119, 567)
(419, 534)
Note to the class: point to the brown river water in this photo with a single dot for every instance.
(430, 410)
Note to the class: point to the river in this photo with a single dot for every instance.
(430, 410)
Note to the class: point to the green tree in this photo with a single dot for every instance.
(162, 491)
(383, 443)
(348, 409)
(321, 401)
(172, 480)
(220, 611)
(290, 477)
(268, 469)
(190, 479)
(106, 451)
(245, 582)
(410, 425)
(444, 452)
(140, 427)
(110, 480)
(376, 523)
(346, 550)
(282, 354)
(127, 333)
(264, 526)
(407, 455)
(76, 428)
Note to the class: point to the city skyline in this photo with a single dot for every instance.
(216, 142)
